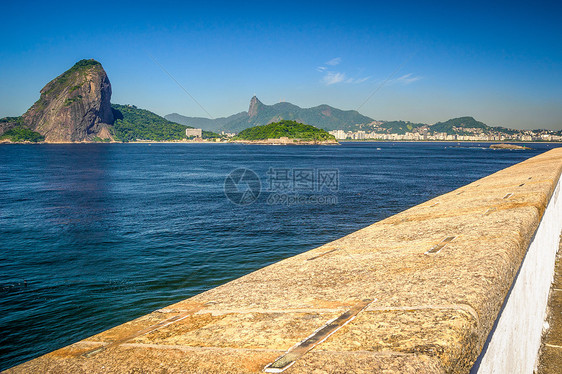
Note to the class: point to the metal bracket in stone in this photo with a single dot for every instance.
(438, 247)
(317, 337)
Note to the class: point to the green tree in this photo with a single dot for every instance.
(21, 134)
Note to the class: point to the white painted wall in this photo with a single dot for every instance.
(515, 341)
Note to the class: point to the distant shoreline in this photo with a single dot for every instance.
(283, 141)
(447, 141)
(263, 143)
(135, 142)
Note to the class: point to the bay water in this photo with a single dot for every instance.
(94, 235)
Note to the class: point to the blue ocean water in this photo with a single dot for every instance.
(94, 235)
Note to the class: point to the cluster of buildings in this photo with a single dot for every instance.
(423, 133)
(523, 136)
(196, 135)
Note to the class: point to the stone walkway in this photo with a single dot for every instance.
(418, 292)
(550, 356)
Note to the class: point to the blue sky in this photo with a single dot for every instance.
(500, 62)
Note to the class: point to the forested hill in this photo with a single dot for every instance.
(132, 123)
(456, 125)
(288, 129)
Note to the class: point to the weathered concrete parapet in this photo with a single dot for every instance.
(514, 342)
(423, 290)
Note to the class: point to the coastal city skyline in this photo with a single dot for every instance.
(416, 62)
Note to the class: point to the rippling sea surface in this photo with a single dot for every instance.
(94, 235)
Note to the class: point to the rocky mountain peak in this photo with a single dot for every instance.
(255, 104)
(75, 106)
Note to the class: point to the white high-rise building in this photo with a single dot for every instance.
(339, 134)
(198, 133)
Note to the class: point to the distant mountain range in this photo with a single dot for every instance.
(76, 107)
(259, 114)
(330, 118)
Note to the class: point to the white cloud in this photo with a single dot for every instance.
(407, 79)
(361, 80)
(334, 61)
(332, 77)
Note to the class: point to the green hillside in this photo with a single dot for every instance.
(399, 127)
(215, 125)
(132, 123)
(289, 129)
(457, 126)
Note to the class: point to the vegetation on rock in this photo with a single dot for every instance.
(73, 107)
(59, 83)
(14, 121)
